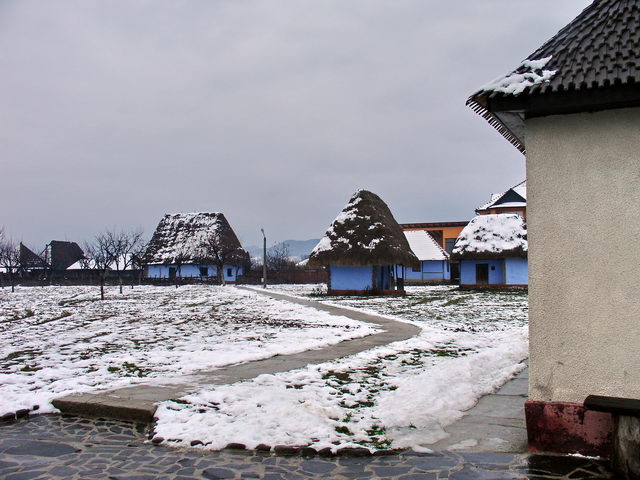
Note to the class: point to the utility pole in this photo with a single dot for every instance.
(264, 259)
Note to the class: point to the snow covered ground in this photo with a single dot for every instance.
(58, 340)
(400, 395)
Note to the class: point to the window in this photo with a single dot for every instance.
(229, 272)
(449, 243)
(416, 269)
(204, 272)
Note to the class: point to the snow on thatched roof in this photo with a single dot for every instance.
(183, 238)
(490, 236)
(364, 233)
(424, 245)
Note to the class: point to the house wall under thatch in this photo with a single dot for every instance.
(499, 272)
(369, 279)
(429, 271)
(230, 272)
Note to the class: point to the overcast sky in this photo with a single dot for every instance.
(274, 112)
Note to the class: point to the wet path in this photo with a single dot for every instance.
(54, 447)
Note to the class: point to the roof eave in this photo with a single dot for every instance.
(508, 124)
(506, 113)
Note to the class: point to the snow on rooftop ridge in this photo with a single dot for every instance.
(520, 189)
(492, 235)
(527, 74)
(424, 245)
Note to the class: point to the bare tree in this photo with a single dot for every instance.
(220, 253)
(278, 257)
(138, 259)
(120, 246)
(9, 257)
(98, 253)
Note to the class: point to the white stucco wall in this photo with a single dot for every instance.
(583, 180)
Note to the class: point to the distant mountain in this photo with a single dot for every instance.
(298, 249)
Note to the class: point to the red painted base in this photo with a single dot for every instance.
(561, 427)
(397, 293)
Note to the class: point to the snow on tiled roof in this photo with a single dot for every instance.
(521, 189)
(424, 246)
(493, 235)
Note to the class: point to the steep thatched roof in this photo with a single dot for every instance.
(186, 238)
(365, 233)
(492, 236)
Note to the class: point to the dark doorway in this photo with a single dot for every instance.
(482, 273)
(172, 272)
(455, 272)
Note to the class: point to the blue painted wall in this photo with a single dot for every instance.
(193, 271)
(350, 278)
(431, 270)
(516, 271)
(468, 271)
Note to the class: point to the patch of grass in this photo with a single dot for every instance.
(456, 301)
(63, 314)
(378, 437)
(344, 430)
(21, 315)
(129, 370)
(28, 368)
(295, 386)
(424, 300)
(133, 370)
(340, 377)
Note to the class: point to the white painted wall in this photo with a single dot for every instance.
(583, 180)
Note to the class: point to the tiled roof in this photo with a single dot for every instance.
(520, 190)
(599, 49)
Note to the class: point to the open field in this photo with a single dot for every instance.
(58, 340)
(400, 395)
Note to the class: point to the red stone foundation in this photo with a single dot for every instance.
(561, 427)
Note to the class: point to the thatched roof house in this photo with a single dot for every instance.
(492, 236)
(184, 238)
(364, 233)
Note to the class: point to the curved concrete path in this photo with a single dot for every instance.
(138, 403)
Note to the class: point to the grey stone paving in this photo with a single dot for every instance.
(495, 424)
(54, 447)
(138, 403)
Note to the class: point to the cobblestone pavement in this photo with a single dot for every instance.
(70, 448)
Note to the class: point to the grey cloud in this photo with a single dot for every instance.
(273, 112)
